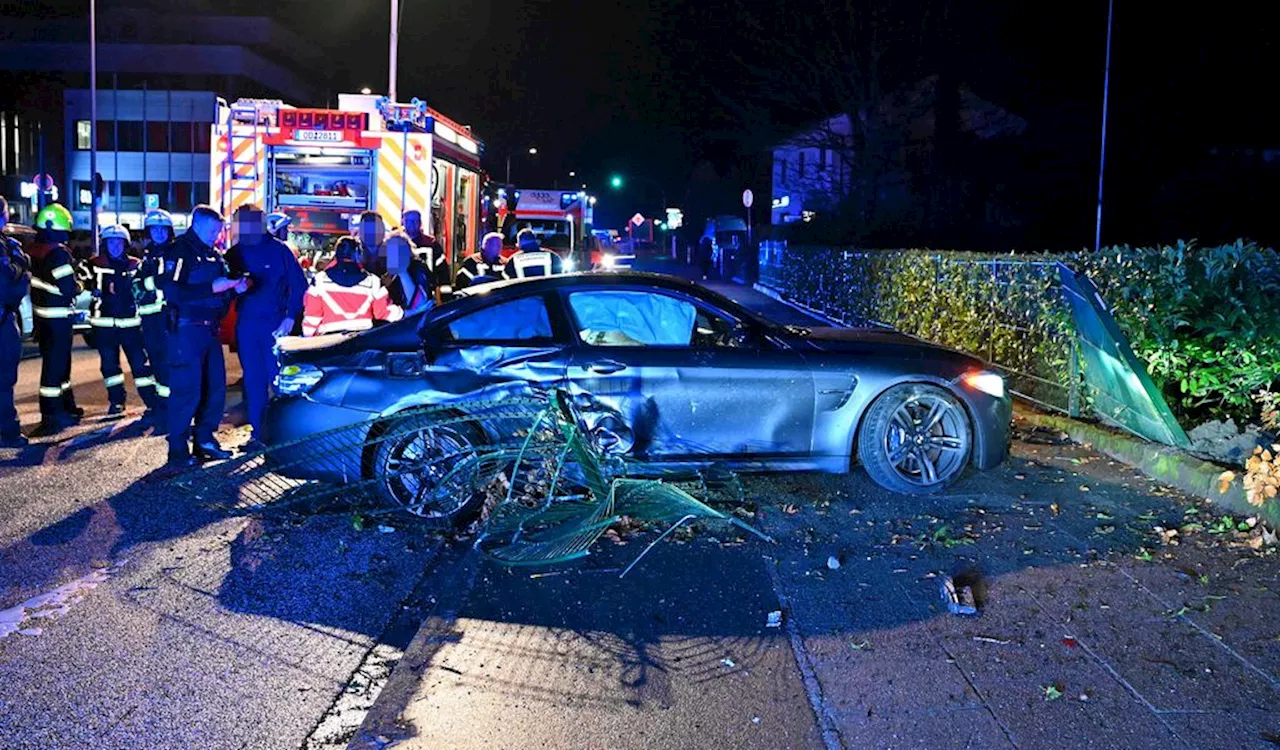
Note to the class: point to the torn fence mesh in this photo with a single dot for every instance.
(548, 491)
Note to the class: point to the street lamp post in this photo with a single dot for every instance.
(93, 124)
(1102, 159)
(395, 44)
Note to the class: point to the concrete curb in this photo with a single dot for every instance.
(1162, 463)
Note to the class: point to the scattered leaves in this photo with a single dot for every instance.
(1052, 692)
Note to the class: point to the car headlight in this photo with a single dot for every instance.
(989, 383)
(608, 261)
(297, 379)
(568, 264)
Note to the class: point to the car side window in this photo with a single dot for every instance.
(517, 320)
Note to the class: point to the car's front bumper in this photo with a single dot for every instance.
(993, 423)
(310, 440)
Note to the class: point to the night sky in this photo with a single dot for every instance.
(639, 88)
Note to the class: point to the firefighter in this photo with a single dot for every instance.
(267, 311)
(116, 322)
(408, 281)
(345, 297)
(278, 227)
(371, 230)
(15, 280)
(531, 259)
(430, 252)
(53, 291)
(149, 290)
(196, 283)
(484, 266)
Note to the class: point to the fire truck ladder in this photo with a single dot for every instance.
(241, 175)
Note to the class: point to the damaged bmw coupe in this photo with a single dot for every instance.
(674, 376)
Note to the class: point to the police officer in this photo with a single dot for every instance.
(149, 290)
(196, 283)
(117, 324)
(15, 280)
(484, 266)
(531, 260)
(268, 311)
(430, 252)
(53, 291)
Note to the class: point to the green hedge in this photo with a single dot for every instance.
(1203, 319)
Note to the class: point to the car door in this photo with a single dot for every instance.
(691, 381)
(515, 338)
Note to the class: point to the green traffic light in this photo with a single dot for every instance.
(616, 181)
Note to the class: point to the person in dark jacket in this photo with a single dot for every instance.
(407, 280)
(15, 281)
(116, 322)
(706, 257)
(268, 311)
(484, 266)
(196, 281)
(54, 288)
(149, 289)
(531, 259)
(430, 252)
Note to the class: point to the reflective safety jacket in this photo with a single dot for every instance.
(148, 284)
(475, 267)
(345, 298)
(432, 255)
(53, 281)
(112, 284)
(530, 263)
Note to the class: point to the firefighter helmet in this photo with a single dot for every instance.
(54, 216)
(158, 217)
(348, 249)
(277, 220)
(115, 232)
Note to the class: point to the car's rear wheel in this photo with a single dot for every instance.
(429, 469)
(916, 439)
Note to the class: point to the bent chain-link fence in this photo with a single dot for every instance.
(543, 489)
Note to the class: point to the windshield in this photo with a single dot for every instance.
(550, 233)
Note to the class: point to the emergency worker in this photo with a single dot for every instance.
(116, 322)
(266, 312)
(278, 227)
(531, 259)
(345, 297)
(53, 291)
(484, 266)
(371, 230)
(15, 281)
(430, 252)
(408, 281)
(149, 290)
(196, 280)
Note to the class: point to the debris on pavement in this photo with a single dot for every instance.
(833, 562)
(959, 600)
(728, 663)
(774, 620)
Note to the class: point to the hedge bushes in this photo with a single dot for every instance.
(1203, 319)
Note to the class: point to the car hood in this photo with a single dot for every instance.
(874, 342)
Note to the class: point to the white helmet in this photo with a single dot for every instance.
(115, 232)
(276, 221)
(158, 217)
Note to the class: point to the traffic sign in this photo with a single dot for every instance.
(747, 198)
(153, 201)
(638, 219)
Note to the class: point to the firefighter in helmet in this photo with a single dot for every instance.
(149, 288)
(53, 291)
(116, 322)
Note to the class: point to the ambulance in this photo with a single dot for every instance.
(324, 167)
(563, 221)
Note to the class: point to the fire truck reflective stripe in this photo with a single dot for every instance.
(53, 312)
(114, 380)
(62, 271)
(44, 286)
(162, 390)
(145, 382)
(50, 391)
(403, 182)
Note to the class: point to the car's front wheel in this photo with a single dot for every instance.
(429, 468)
(915, 439)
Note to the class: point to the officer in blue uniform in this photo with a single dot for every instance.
(196, 285)
(15, 280)
(117, 324)
(269, 310)
(149, 289)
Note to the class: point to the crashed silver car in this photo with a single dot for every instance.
(675, 377)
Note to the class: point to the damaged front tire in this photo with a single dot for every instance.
(429, 466)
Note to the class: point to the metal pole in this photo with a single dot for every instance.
(115, 133)
(93, 123)
(395, 42)
(508, 169)
(1102, 159)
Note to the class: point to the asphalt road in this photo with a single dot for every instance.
(171, 625)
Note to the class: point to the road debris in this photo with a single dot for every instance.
(774, 620)
(833, 562)
(959, 601)
(989, 639)
(728, 663)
